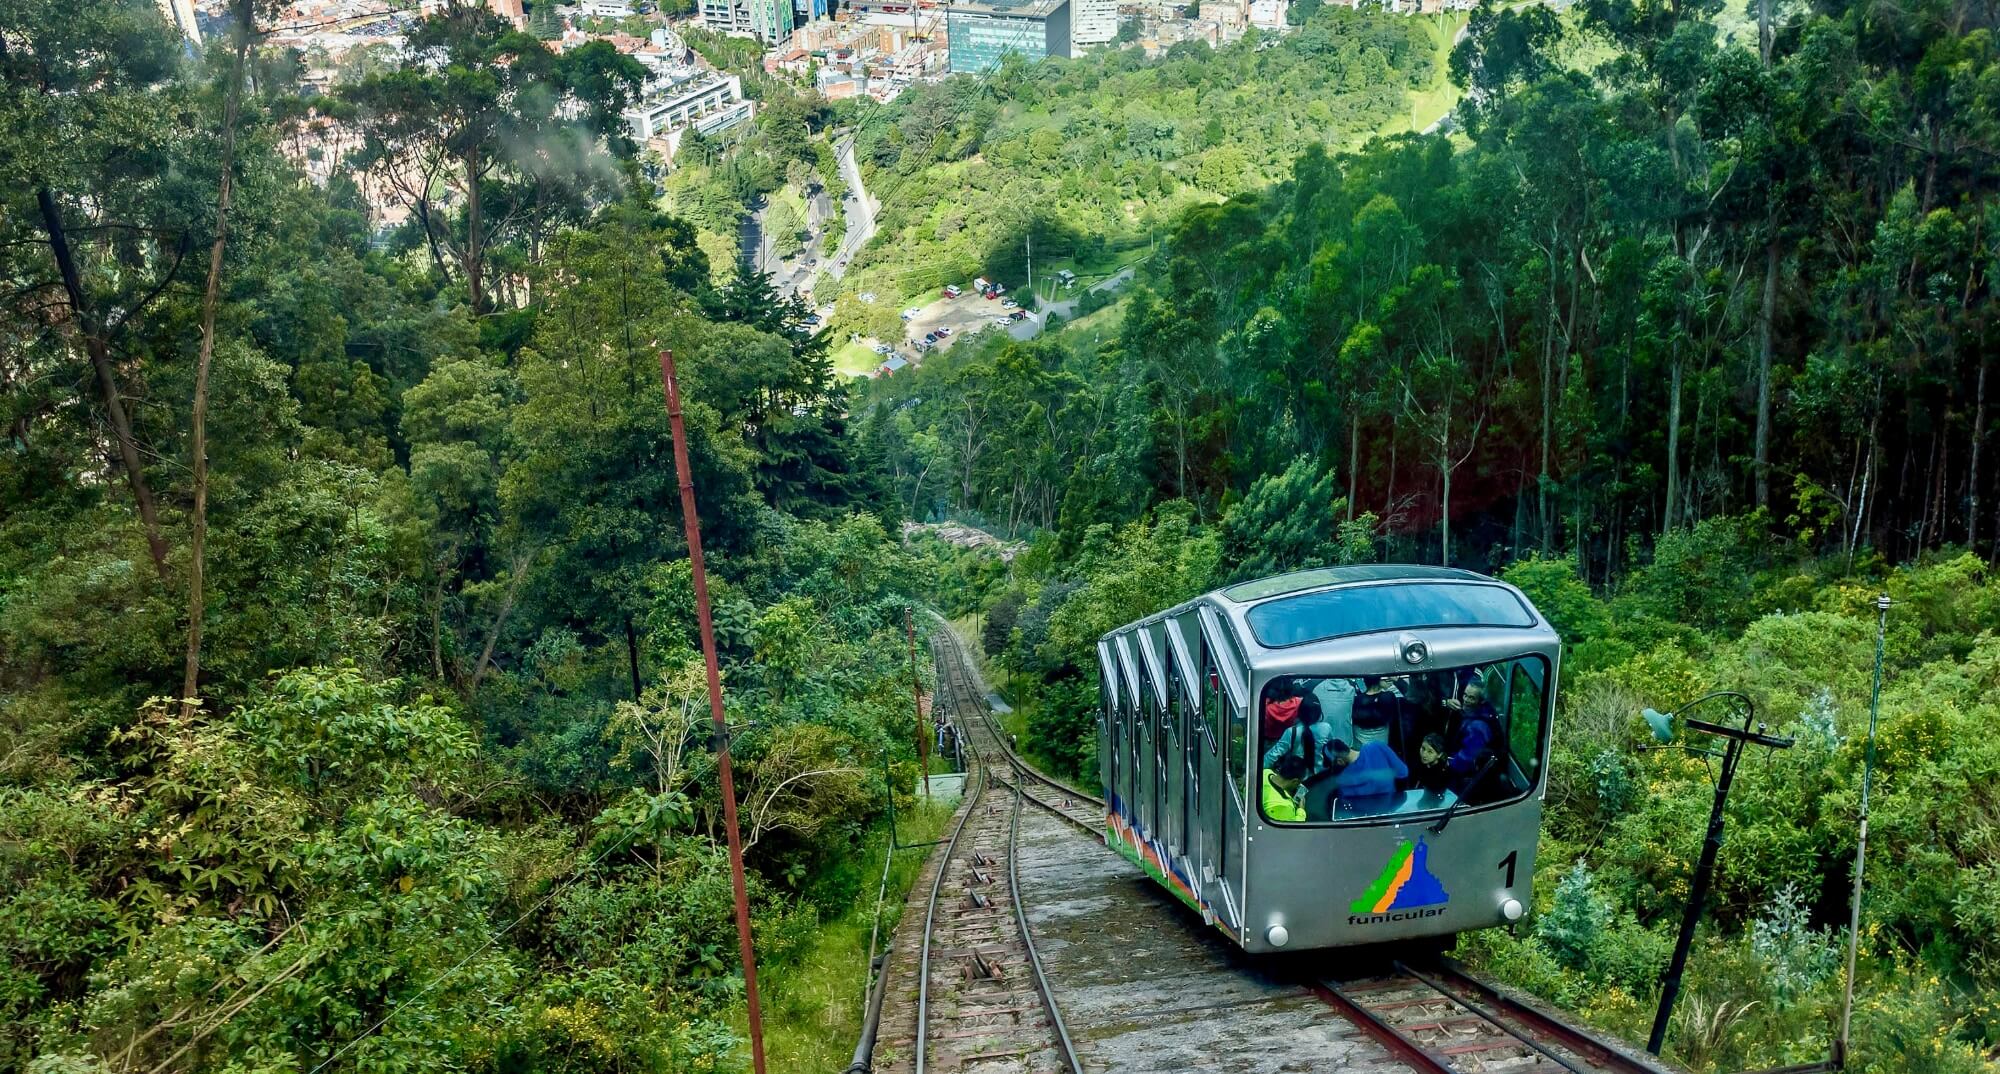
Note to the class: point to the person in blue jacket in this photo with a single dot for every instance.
(1371, 780)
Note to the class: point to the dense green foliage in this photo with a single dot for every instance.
(1687, 285)
(1085, 155)
(1693, 345)
(446, 799)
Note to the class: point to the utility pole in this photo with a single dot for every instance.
(1032, 293)
(917, 696)
(1704, 869)
(693, 524)
(1861, 847)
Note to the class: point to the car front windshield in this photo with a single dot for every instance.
(1344, 748)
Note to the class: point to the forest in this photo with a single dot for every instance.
(1086, 155)
(1687, 336)
(351, 715)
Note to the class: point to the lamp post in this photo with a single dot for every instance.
(1861, 846)
(1704, 870)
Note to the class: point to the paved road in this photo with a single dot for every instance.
(1067, 306)
(861, 209)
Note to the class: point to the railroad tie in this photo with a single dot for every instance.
(977, 968)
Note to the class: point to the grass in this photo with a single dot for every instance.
(1093, 328)
(813, 1005)
(1432, 103)
(853, 359)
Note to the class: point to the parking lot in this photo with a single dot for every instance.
(965, 316)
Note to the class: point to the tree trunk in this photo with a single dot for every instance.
(198, 538)
(1672, 515)
(1444, 512)
(520, 575)
(1353, 459)
(1548, 409)
(632, 653)
(473, 253)
(1763, 457)
(1972, 475)
(99, 349)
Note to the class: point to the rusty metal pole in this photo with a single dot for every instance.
(917, 694)
(693, 522)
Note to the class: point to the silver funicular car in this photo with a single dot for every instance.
(1332, 757)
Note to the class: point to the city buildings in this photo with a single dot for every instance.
(707, 101)
(1093, 22)
(979, 32)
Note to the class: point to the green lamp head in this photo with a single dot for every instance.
(1661, 723)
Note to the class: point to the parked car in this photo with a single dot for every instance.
(1018, 315)
(1010, 304)
(911, 312)
(1002, 322)
(883, 348)
(952, 291)
(930, 337)
(944, 330)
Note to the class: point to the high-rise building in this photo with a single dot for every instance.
(180, 15)
(979, 32)
(511, 10)
(726, 16)
(771, 20)
(1093, 22)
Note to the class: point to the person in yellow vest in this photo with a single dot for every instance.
(1281, 789)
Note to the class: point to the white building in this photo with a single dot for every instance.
(605, 9)
(180, 15)
(708, 102)
(1093, 22)
(1269, 14)
(727, 16)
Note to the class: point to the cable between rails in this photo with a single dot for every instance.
(1028, 938)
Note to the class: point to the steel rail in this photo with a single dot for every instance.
(1491, 1019)
(1576, 1040)
(1400, 1046)
(1028, 938)
(945, 630)
(1014, 760)
(957, 699)
(930, 912)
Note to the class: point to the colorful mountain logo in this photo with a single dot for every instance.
(1406, 883)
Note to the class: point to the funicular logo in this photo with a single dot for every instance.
(1405, 890)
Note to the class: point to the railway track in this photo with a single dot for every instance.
(982, 1000)
(960, 693)
(1442, 1020)
(1043, 953)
